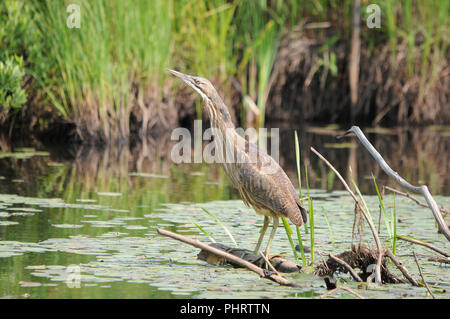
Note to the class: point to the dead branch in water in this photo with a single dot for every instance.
(342, 288)
(347, 266)
(418, 242)
(442, 209)
(402, 268)
(421, 275)
(440, 260)
(232, 258)
(366, 216)
(415, 189)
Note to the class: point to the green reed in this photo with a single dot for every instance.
(330, 229)
(299, 175)
(383, 209)
(311, 215)
(394, 227)
(289, 235)
(223, 226)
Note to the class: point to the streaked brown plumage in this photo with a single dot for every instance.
(261, 182)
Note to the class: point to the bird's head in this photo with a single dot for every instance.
(214, 105)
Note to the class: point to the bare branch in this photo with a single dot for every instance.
(402, 268)
(415, 189)
(366, 216)
(347, 266)
(421, 275)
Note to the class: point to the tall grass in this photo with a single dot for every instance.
(203, 35)
(423, 26)
(95, 75)
(258, 34)
(118, 44)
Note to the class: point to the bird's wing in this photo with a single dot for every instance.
(266, 182)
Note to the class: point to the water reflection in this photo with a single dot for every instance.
(420, 155)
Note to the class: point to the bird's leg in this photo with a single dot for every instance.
(261, 237)
(272, 234)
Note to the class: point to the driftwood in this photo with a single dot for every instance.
(280, 264)
(443, 227)
(229, 257)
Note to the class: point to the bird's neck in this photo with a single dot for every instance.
(219, 116)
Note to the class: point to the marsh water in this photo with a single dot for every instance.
(80, 222)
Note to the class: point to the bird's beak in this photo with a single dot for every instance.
(189, 80)
(186, 78)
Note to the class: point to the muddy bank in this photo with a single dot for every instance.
(306, 90)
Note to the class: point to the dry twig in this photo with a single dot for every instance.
(366, 216)
(342, 288)
(421, 275)
(347, 266)
(402, 268)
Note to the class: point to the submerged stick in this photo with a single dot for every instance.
(389, 171)
(402, 268)
(361, 206)
(418, 242)
(421, 275)
(347, 266)
(196, 243)
(342, 288)
(440, 260)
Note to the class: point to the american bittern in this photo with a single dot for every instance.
(261, 182)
